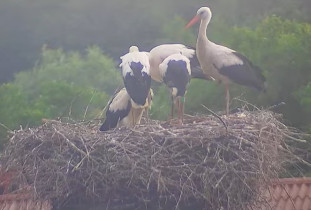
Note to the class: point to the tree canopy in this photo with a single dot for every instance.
(114, 25)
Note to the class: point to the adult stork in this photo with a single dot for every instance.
(222, 63)
(122, 111)
(136, 76)
(159, 53)
(176, 73)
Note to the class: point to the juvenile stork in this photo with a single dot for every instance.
(221, 63)
(159, 53)
(122, 111)
(176, 73)
(136, 76)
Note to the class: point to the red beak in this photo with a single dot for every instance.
(193, 21)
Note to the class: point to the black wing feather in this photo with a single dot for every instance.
(138, 89)
(246, 74)
(113, 117)
(177, 76)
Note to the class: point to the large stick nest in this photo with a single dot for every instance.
(198, 165)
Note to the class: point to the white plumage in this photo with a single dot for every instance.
(159, 53)
(119, 101)
(174, 57)
(176, 74)
(136, 74)
(134, 56)
(121, 111)
(222, 63)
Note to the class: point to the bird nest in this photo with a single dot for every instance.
(199, 165)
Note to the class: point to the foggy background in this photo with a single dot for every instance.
(114, 25)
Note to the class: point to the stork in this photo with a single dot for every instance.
(123, 111)
(176, 73)
(136, 76)
(222, 63)
(159, 53)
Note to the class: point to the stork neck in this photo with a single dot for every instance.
(203, 27)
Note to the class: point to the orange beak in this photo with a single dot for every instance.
(193, 21)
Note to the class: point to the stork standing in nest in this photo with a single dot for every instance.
(221, 63)
(123, 111)
(176, 73)
(136, 75)
(175, 65)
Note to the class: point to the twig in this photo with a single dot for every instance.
(216, 115)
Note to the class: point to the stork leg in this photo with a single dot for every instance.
(147, 115)
(227, 98)
(178, 109)
(133, 118)
(172, 108)
(181, 110)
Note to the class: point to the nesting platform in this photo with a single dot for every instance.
(199, 165)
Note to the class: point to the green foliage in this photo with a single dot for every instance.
(204, 93)
(13, 105)
(92, 70)
(60, 85)
(304, 97)
(161, 104)
(58, 98)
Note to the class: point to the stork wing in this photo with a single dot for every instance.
(118, 107)
(237, 68)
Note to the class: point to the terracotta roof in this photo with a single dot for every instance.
(290, 194)
(22, 199)
(22, 202)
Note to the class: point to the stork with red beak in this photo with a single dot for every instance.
(221, 63)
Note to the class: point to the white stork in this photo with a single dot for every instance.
(159, 53)
(122, 111)
(176, 73)
(221, 63)
(136, 76)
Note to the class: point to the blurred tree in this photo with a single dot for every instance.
(113, 25)
(161, 104)
(304, 97)
(60, 99)
(60, 85)
(91, 70)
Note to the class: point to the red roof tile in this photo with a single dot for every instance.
(21, 199)
(289, 194)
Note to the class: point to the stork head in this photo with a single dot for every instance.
(133, 49)
(204, 13)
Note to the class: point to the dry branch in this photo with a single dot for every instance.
(198, 165)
